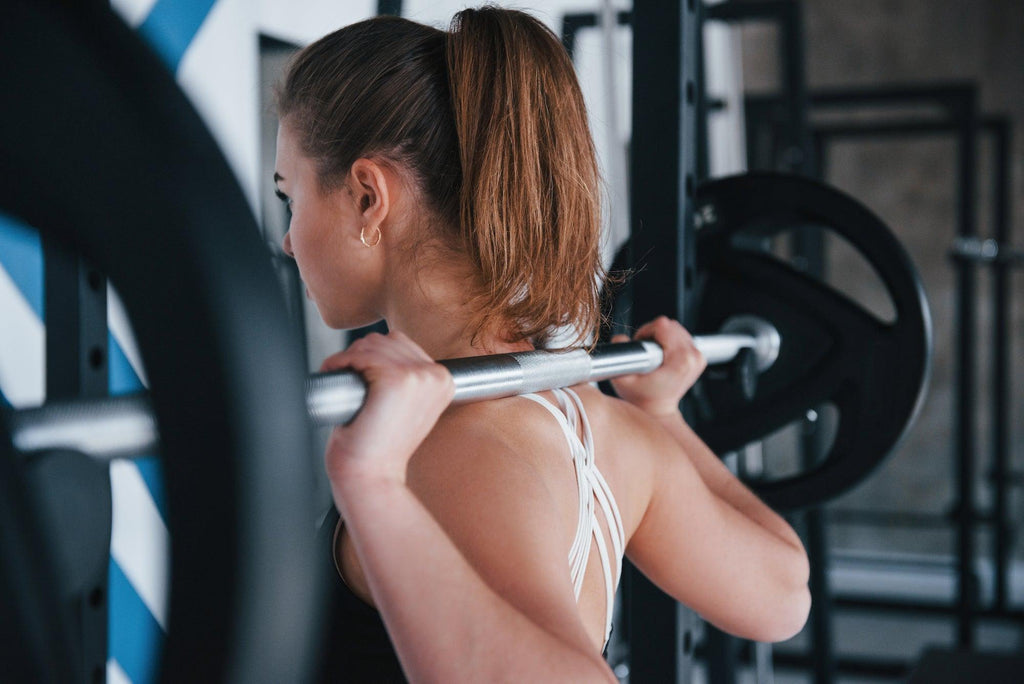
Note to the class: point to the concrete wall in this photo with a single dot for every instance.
(911, 185)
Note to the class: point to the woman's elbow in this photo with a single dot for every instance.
(790, 617)
(796, 603)
(790, 604)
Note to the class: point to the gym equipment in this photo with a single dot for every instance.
(124, 426)
(985, 251)
(835, 352)
(117, 182)
(100, 149)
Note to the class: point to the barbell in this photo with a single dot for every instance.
(124, 426)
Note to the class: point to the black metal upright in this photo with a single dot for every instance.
(74, 493)
(966, 344)
(808, 247)
(662, 159)
(392, 7)
(663, 173)
(1001, 370)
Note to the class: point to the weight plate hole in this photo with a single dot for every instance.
(846, 270)
(779, 455)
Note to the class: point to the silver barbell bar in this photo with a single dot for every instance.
(125, 426)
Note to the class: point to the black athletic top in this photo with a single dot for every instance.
(356, 647)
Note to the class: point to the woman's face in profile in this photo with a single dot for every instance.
(323, 238)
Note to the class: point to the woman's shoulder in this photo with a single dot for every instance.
(511, 432)
(482, 473)
(517, 427)
(516, 440)
(621, 422)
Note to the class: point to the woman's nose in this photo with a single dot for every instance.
(286, 244)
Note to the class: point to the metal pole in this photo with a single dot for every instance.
(965, 112)
(124, 426)
(1001, 370)
(663, 175)
(76, 370)
(822, 651)
(392, 7)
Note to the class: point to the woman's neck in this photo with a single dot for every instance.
(434, 309)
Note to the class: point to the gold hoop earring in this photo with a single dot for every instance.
(362, 237)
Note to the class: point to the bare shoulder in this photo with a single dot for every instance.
(486, 454)
(481, 436)
(479, 453)
(517, 433)
(623, 418)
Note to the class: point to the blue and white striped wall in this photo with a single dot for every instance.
(212, 47)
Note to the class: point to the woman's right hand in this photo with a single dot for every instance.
(406, 393)
(658, 393)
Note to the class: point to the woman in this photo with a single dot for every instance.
(446, 182)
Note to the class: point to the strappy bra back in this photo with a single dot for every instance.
(594, 494)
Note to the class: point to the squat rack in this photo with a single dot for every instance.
(781, 136)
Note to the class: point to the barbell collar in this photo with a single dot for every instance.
(758, 335)
(124, 427)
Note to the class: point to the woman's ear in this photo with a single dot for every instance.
(371, 191)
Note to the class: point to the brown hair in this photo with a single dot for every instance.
(490, 121)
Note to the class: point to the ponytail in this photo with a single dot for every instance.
(529, 205)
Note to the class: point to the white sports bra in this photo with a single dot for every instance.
(592, 487)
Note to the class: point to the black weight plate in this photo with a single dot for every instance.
(99, 147)
(833, 351)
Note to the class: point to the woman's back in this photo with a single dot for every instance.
(500, 451)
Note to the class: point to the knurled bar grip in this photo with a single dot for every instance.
(124, 426)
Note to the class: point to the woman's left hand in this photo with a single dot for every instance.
(658, 393)
(406, 393)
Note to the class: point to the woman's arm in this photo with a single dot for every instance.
(748, 559)
(702, 550)
(724, 484)
(445, 621)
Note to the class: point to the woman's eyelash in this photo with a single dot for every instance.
(283, 197)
